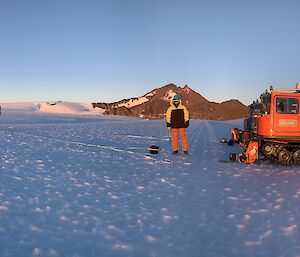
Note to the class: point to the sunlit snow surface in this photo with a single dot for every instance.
(60, 195)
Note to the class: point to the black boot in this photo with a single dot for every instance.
(186, 152)
(175, 152)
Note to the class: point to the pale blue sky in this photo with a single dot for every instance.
(106, 50)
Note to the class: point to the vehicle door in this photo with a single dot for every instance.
(286, 114)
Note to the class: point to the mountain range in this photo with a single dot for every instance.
(155, 103)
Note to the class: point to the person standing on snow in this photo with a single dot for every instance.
(177, 117)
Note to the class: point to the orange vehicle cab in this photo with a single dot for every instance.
(280, 120)
(277, 127)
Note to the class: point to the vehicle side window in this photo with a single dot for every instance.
(287, 105)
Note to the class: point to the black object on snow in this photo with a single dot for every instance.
(154, 149)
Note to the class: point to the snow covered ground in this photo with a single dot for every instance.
(74, 186)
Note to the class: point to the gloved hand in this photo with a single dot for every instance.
(187, 123)
(169, 129)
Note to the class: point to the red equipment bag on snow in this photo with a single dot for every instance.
(251, 153)
(249, 156)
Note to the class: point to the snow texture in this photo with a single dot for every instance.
(134, 102)
(70, 108)
(54, 107)
(169, 95)
(73, 185)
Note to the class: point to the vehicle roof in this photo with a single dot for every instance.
(285, 93)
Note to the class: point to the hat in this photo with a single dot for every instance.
(176, 98)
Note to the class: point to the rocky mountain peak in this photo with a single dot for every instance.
(187, 89)
(154, 104)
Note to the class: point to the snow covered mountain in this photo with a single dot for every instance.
(54, 107)
(154, 104)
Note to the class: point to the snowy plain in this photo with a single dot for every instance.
(81, 185)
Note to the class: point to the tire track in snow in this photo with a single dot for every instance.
(215, 147)
(95, 146)
(195, 138)
(203, 143)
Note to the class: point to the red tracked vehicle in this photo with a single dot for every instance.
(274, 123)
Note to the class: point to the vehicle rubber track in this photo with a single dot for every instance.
(279, 147)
